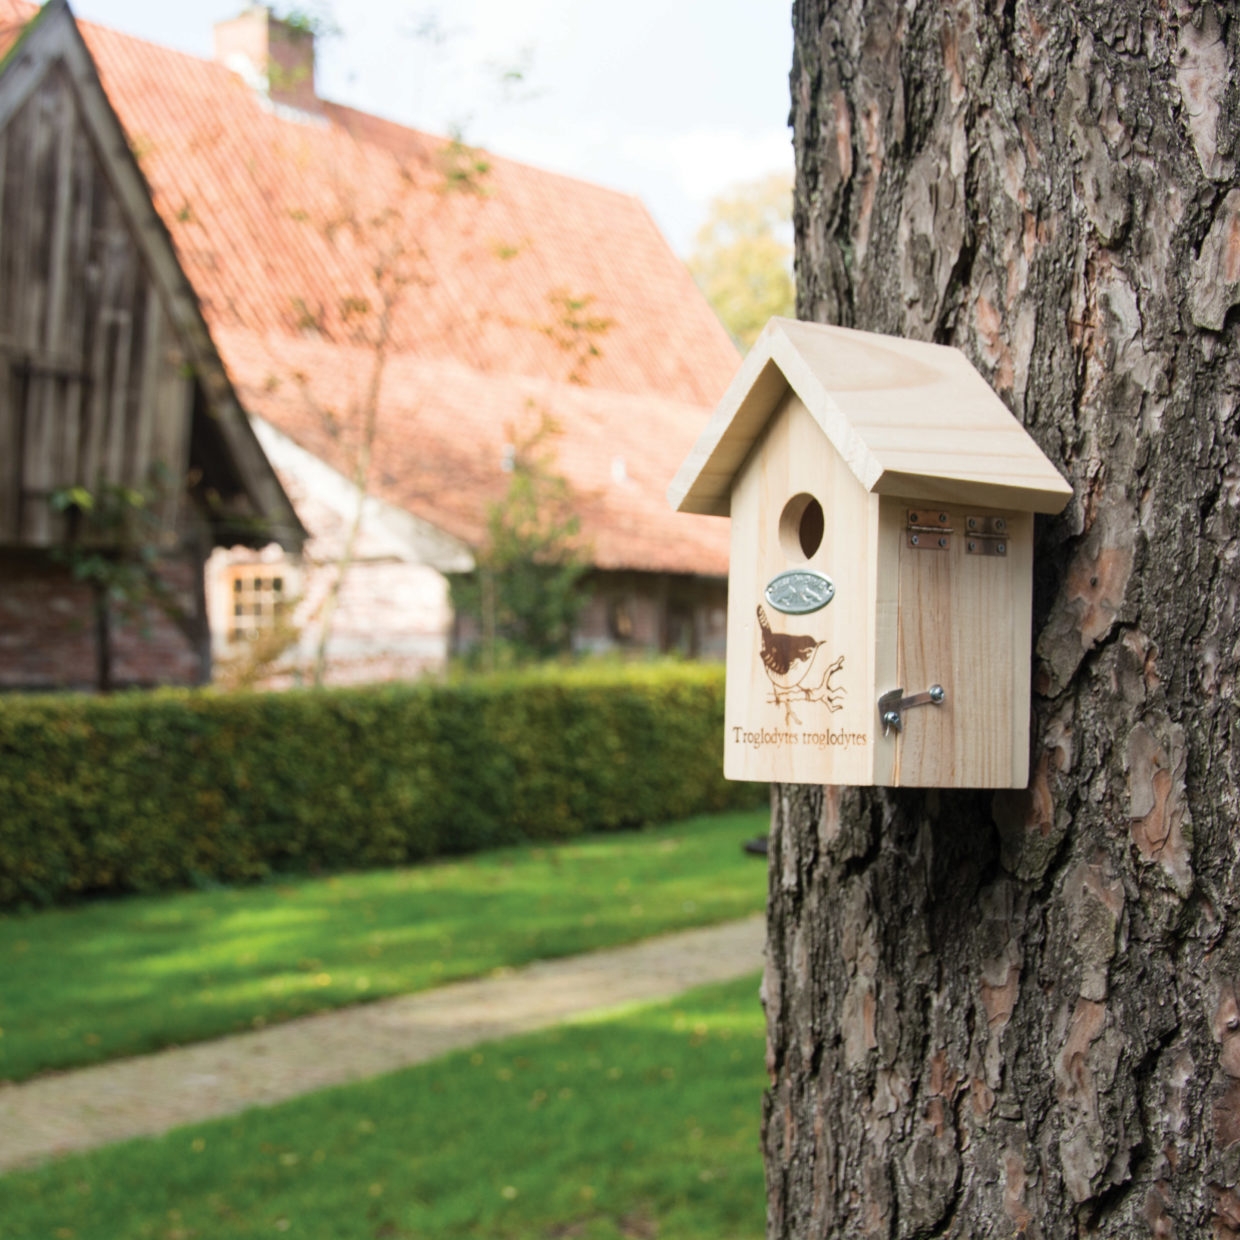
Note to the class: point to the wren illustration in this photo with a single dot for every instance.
(797, 668)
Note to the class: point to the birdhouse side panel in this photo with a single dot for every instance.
(963, 625)
(800, 611)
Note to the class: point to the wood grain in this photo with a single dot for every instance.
(81, 404)
(102, 340)
(964, 623)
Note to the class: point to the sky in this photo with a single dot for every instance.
(672, 100)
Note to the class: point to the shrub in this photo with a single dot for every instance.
(139, 792)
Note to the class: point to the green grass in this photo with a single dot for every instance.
(643, 1123)
(125, 976)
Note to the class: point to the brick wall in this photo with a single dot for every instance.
(47, 630)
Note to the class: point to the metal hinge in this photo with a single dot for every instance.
(927, 530)
(985, 536)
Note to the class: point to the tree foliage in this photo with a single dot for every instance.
(742, 256)
(114, 543)
(524, 591)
(391, 263)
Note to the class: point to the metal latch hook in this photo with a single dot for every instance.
(893, 702)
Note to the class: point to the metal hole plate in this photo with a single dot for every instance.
(799, 591)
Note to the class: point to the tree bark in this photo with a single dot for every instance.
(1019, 1014)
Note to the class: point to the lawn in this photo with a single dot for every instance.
(124, 976)
(639, 1124)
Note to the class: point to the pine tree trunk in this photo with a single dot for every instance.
(1019, 1014)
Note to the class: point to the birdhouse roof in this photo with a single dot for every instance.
(908, 418)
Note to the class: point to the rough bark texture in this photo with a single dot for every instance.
(1019, 1014)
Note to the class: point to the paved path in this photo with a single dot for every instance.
(76, 1110)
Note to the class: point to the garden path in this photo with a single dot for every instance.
(149, 1094)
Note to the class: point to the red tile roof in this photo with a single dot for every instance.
(262, 208)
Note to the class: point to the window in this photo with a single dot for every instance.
(257, 598)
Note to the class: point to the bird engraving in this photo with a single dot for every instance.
(797, 668)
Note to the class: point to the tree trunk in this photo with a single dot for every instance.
(102, 610)
(1019, 1014)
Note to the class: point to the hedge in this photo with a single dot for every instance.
(139, 792)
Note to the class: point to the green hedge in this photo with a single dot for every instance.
(145, 791)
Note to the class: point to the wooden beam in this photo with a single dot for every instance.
(62, 428)
(119, 355)
(31, 293)
(147, 411)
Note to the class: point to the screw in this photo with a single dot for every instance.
(912, 517)
(972, 523)
(972, 545)
(942, 542)
(1000, 548)
(937, 694)
(913, 540)
(1000, 525)
(891, 720)
(942, 518)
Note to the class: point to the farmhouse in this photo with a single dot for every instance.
(405, 311)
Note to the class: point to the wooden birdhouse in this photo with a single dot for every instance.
(880, 584)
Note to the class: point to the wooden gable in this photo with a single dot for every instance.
(108, 376)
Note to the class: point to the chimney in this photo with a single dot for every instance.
(275, 57)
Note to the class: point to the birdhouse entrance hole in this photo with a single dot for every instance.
(801, 527)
